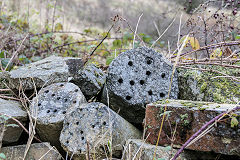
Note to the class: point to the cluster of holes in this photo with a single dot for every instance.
(148, 73)
(55, 110)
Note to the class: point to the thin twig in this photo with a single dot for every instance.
(163, 32)
(212, 70)
(134, 36)
(231, 43)
(16, 52)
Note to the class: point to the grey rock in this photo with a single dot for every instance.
(8, 127)
(50, 106)
(90, 80)
(36, 151)
(98, 126)
(44, 72)
(135, 78)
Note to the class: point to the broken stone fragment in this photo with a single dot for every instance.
(36, 151)
(90, 80)
(43, 73)
(50, 106)
(135, 78)
(189, 117)
(9, 128)
(96, 127)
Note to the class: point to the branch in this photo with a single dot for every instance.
(231, 43)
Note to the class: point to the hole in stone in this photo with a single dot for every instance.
(74, 101)
(80, 151)
(67, 142)
(104, 123)
(162, 95)
(65, 100)
(128, 97)
(64, 112)
(141, 82)
(132, 82)
(67, 124)
(77, 123)
(61, 85)
(53, 95)
(48, 111)
(93, 126)
(150, 92)
(82, 138)
(148, 73)
(46, 91)
(80, 109)
(58, 98)
(55, 110)
(120, 80)
(163, 75)
(76, 90)
(81, 132)
(149, 60)
(130, 63)
(39, 104)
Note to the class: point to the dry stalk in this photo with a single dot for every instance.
(136, 29)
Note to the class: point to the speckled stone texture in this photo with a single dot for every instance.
(36, 151)
(96, 124)
(90, 80)
(8, 109)
(43, 73)
(50, 107)
(135, 78)
(189, 117)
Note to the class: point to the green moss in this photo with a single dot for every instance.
(190, 104)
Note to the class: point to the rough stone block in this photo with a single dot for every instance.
(96, 125)
(44, 72)
(197, 85)
(36, 151)
(90, 80)
(135, 78)
(12, 131)
(144, 151)
(189, 117)
(50, 106)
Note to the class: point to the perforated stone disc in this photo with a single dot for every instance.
(137, 77)
(52, 102)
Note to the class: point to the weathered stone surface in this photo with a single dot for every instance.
(44, 72)
(138, 149)
(144, 151)
(37, 151)
(190, 116)
(90, 80)
(95, 124)
(8, 109)
(50, 107)
(197, 85)
(135, 78)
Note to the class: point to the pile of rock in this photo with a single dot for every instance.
(112, 126)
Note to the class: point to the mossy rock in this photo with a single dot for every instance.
(199, 85)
